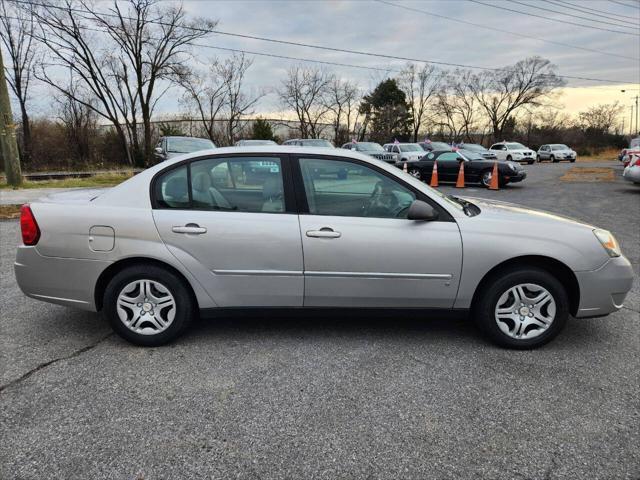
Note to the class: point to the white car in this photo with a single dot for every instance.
(632, 171)
(513, 151)
(556, 152)
(405, 152)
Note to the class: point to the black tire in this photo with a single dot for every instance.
(509, 158)
(572, 160)
(485, 305)
(538, 159)
(553, 159)
(184, 303)
(483, 181)
(414, 172)
(530, 162)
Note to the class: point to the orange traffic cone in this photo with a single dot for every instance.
(404, 167)
(434, 175)
(493, 185)
(460, 182)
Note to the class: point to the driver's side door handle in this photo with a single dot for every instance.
(324, 232)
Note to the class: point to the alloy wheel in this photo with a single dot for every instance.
(415, 173)
(486, 178)
(525, 311)
(146, 307)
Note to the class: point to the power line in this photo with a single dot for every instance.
(321, 47)
(515, 34)
(620, 22)
(573, 15)
(564, 22)
(624, 4)
(583, 8)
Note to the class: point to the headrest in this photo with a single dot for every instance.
(176, 188)
(201, 181)
(272, 187)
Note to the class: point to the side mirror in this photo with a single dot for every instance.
(158, 150)
(420, 210)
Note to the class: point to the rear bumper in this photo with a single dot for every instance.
(632, 174)
(64, 281)
(604, 290)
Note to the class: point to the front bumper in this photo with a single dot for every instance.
(514, 177)
(603, 291)
(64, 281)
(631, 174)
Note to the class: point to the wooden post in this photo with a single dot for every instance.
(8, 144)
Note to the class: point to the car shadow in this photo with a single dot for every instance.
(371, 324)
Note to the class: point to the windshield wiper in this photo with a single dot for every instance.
(466, 206)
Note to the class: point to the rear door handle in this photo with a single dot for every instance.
(324, 232)
(192, 228)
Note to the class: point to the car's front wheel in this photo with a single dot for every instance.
(523, 307)
(414, 172)
(148, 305)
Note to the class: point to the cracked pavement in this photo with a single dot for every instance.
(296, 397)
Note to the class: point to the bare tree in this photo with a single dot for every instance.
(501, 93)
(128, 68)
(238, 102)
(421, 86)
(304, 92)
(16, 31)
(341, 100)
(600, 118)
(79, 123)
(204, 94)
(457, 106)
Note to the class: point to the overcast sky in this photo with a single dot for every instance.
(372, 26)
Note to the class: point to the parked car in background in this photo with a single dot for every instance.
(435, 146)
(477, 148)
(477, 169)
(556, 152)
(254, 143)
(372, 149)
(309, 142)
(171, 146)
(513, 151)
(191, 236)
(406, 152)
(631, 172)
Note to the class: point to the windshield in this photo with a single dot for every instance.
(474, 147)
(369, 147)
(469, 154)
(256, 142)
(516, 146)
(188, 144)
(317, 143)
(410, 147)
(559, 147)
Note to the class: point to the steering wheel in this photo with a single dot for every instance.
(377, 200)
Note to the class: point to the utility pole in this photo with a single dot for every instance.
(8, 144)
(637, 132)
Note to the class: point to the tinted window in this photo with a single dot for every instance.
(342, 188)
(188, 145)
(448, 156)
(172, 189)
(497, 147)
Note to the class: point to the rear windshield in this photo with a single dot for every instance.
(188, 145)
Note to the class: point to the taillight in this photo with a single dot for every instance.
(29, 226)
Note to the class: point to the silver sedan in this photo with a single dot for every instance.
(264, 227)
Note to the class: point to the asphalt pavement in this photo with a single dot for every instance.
(352, 397)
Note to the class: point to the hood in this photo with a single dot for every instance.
(515, 212)
(75, 196)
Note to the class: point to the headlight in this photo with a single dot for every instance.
(517, 154)
(608, 242)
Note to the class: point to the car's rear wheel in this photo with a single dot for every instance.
(522, 308)
(148, 305)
